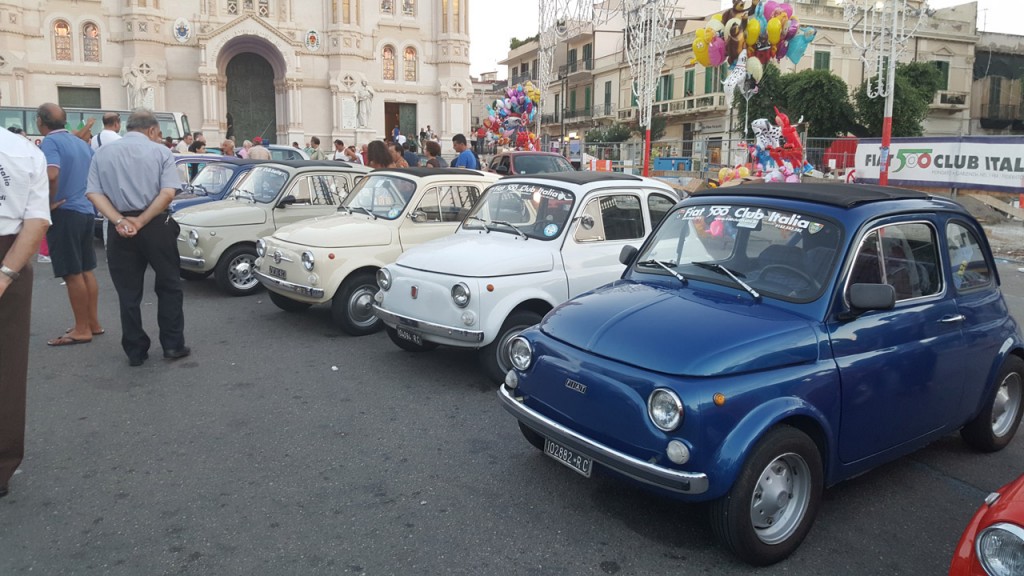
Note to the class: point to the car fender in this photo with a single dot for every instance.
(351, 259)
(726, 463)
(1012, 345)
(550, 287)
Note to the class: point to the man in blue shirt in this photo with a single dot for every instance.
(466, 158)
(71, 235)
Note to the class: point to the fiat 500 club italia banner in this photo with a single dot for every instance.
(983, 163)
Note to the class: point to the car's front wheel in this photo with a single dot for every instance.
(409, 345)
(772, 505)
(494, 358)
(352, 306)
(995, 426)
(287, 304)
(235, 271)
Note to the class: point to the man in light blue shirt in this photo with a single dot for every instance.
(466, 158)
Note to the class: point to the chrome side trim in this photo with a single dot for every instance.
(640, 470)
(429, 328)
(284, 286)
(186, 262)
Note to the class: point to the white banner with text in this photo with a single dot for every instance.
(990, 163)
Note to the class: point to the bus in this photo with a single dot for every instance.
(173, 124)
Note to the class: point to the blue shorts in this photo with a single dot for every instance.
(70, 238)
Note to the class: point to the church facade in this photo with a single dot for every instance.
(284, 70)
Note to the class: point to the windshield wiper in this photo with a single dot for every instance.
(668, 266)
(734, 275)
(512, 226)
(200, 187)
(368, 212)
(482, 221)
(245, 194)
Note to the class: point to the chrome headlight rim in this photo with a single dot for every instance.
(308, 261)
(384, 279)
(461, 295)
(261, 248)
(520, 353)
(193, 238)
(677, 409)
(979, 544)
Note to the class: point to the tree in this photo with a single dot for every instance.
(823, 99)
(611, 133)
(916, 85)
(516, 42)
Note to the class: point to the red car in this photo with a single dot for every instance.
(993, 543)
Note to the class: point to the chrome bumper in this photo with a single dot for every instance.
(428, 328)
(284, 286)
(186, 262)
(641, 470)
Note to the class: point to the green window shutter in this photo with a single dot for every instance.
(709, 83)
(822, 61)
(586, 98)
(688, 82)
(632, 96)
(572, 101)
(607, 93)
(668, 91)
(723, 72)
(943, 73)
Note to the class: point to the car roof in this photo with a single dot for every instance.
(314, 163)
(583, 177)
(423, 172)
(839, 195)
(529, 153)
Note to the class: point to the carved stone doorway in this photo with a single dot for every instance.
(402, 115)
(250, 98)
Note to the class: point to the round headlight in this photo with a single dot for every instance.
(665, 409)
(384, 279)
(460, 295)
(261, 248)
(193, 238)
(307, 261)
(1000, 549)
(520, 353)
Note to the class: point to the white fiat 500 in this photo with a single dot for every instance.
(335, 259)
(531, 243)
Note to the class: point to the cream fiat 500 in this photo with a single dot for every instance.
(220, 237)
(335, 259)
(532, 243)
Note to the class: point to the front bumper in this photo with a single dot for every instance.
(428, 328)
(640, 470)
(283, 286)
(186, 262)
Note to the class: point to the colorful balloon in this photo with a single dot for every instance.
(774, 31)
(716, 51)
(700, 48)
(755, 69)
(798, 45)
(753, 31)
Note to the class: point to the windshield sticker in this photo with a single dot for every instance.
(551, 230)
(393, 213)
(533, 191)
(745, 217)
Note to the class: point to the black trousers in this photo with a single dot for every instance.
(15, 314)
(155, 245)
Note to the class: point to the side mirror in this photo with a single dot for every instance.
(866, 297)
(587, 222)
(418, 216)
(501, 169)
(289, 199)
(628, 254)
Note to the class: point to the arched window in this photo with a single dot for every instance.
(410, 64)
(387, 6)
(389, 62)
(409, 7)
(91, 42)
(62, 40)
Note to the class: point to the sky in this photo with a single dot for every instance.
(492, 24)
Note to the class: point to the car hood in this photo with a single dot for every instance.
(1009, 507)
(483, 256)
(338, 231)
(682, 332)
(222, 213)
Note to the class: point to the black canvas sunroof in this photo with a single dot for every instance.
(841, 195)
(583, 177)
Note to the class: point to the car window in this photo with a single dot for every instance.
(970, 270)
(212, 179)
(535, 164)
(321, 190)
(338, 185)
(383, 195)
(183, 171)
(302, 190)
(658, 206)
(494, 163)
(613, 217)
(905, 256)
(261, 184)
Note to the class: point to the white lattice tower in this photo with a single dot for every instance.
(649, 25)
(882, 30)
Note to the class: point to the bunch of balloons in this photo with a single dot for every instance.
(508, 119)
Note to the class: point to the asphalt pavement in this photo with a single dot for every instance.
(282, 446)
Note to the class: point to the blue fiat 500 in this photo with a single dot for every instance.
(769, 341)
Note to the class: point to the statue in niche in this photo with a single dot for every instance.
(140, 92)
(364, 98)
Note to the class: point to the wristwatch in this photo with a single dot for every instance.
(12, 274)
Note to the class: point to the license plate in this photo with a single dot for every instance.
(277, 272)
(577, 462)
(410, 336)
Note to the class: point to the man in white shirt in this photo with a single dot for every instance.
(183, 144)
(111, 131)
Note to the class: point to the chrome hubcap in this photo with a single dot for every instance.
(360, 306)
(240, 272)
(1007, 405)
(780, 498)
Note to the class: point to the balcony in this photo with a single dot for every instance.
(576, 67)
(550, 118)
(579, 115)
(604, 111)
(520, 79)
(950, 100)
(691, 105)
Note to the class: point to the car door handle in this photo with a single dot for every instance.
(953, 319)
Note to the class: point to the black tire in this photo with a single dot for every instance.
(781, 482)
(536, 440)
(193, 276)
(407, 345)
(235, 271)
(352, 305)
(494, 360)
(287, 304)
(994, 427)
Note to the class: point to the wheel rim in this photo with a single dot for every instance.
(1007, 404)
(360, 306)
(240, 272)
(780, 498)
(504, 360)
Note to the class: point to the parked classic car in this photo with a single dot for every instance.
(335, 259)
(214, 181)
(220, 237)
(769, 341)
(993, 543)
(529, 245)
(526, 162)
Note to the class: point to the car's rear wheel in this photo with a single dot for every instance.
(407, 345)
(772, 504)
(994, 427)
(494, 358)
(287, 304)
(235, 271)
(536, 440)
(352, 306)
(193, 276)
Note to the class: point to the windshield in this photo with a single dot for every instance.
(212, 179)
(534, 164)
(381, 195)
(778, 253)
(262, 184)
(533, 210)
